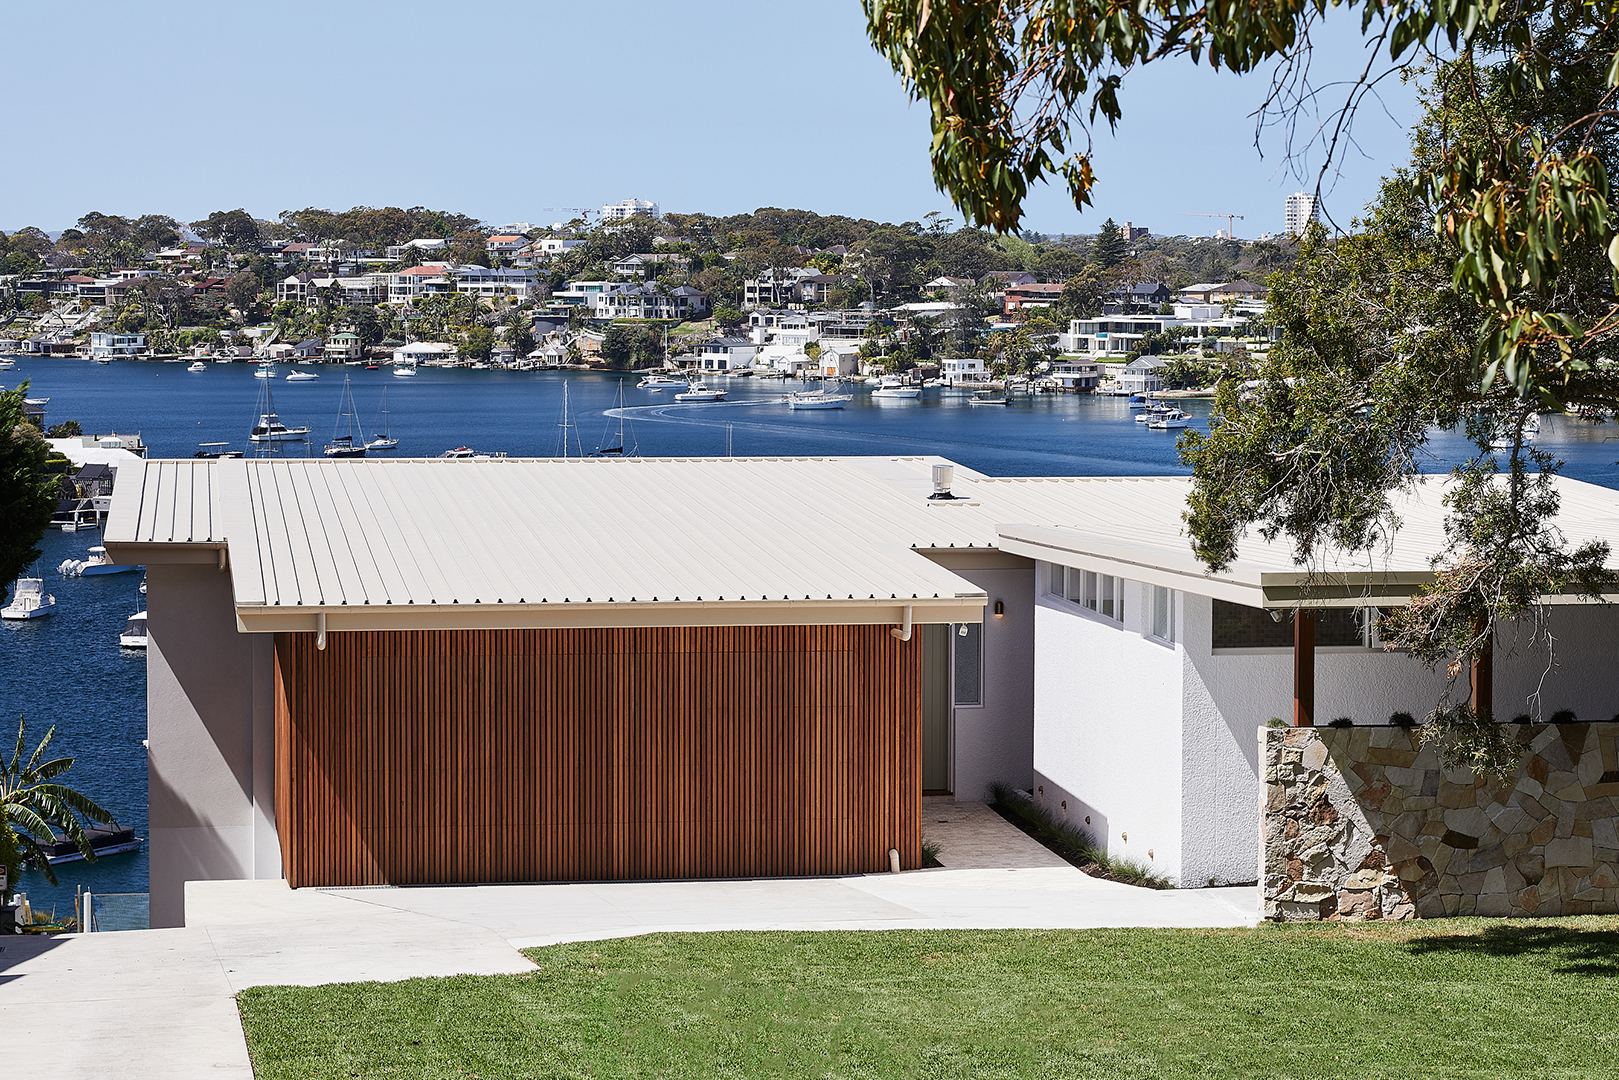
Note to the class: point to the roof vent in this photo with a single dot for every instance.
(942, 475)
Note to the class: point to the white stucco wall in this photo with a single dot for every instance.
(1107, 729)
(210, 730)
(996, 741)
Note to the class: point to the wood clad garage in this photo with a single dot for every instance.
(414, 757)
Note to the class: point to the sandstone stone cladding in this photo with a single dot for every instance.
(1364, 823)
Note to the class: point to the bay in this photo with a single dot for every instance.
(68, 670)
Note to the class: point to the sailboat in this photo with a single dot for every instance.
(343, 446)
(384, 441)
(616, 449)
(566, 425)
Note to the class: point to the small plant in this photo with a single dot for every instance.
(1563, 716)
(1341, 721)
(1276, 721)
(1523, 718)
(1402, 719)
(930, 855)
(1070, 841)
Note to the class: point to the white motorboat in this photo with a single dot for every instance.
(134, 633)
(987, 397)
(892, 386)
(266, 372)
(7, 363)
(698, 392)
(1168, 420)
(197, 365)
(816, 399)
(404, 371)
(658, 382)
(467, 453)
(213, 451)
(302, 376)
(29, 600)
(94, 564)
(271, 429)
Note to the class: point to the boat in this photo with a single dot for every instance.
(816, 399)
(1168, 420)
(29, 600)
(405, 371)
(1146, 415)
(892, 386)
(265, 371)
(270, 429)
(109, 839)
(987, 397)
(211, 451)
(698, 392)
(385, 440)
(134, 633)
(1140, 401)
(344, 446)
(1503, 439)
(614, 448)
(196, 365)
(95, 564)
(7, 363)
(467, 453)
(658, 381)
(302, 376)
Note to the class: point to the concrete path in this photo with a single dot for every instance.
(160, 1003)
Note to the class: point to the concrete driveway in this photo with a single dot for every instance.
(160, 1003)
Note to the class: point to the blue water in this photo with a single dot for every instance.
(68, 669)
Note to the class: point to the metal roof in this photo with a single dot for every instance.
(1134, 529)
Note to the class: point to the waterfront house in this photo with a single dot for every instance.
(436, 353)
(958, 371)
(116, 346)
(343, 346)
(1035, 294)
(725, 354)
(308, 349)
(324, 634)
(1112, 335)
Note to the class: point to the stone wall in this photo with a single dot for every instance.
(1363, 823)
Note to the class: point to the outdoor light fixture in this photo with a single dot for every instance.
(1275, 614)
(1000, 608)
(962, 631)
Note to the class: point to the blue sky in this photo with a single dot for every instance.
(501, 109)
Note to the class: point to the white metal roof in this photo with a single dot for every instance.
(1134, 529)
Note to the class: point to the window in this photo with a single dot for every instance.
(968, 639)
(1101, 593)
(1163, 612)
(1237, 626)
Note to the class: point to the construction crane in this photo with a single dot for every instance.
(1230, 233)
(582, 211)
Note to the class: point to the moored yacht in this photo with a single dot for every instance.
(892, 386)
(302, 376)
(196, 365)
(698, 392)
(95, 563)
(658, 381)
(29, 600)
(134, 632)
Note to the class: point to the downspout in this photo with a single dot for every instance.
(903, 630)
(320, 631)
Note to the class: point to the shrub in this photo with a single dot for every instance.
(1276, 721)
(1402, 719)
(1070, 841)
(1342, 721)
(1563, 716)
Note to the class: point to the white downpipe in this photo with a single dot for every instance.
(320, 630)
(223, 560)
(87, 918)
(893, 860)
(903, 630)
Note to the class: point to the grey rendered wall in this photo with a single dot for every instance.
(210, 734)
(996, 741)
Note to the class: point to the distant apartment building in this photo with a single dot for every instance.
(647, 302)
(1132, 232)
(625, 209)
(1302, 209)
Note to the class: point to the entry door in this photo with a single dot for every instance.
(936, 709)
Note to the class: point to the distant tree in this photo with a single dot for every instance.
(478, 343)
(1081, 296)
(235, 229)
(67, 429)
(618, 345)
(242, 291)
(1110, 248)
(33, 805)
(520, 338)
(728, 317)
(27, 496)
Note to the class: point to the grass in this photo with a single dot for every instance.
(1072, 842)
(1467, 998)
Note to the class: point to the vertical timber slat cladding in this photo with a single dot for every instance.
(421, 757)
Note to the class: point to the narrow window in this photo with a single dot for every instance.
(969, 664)
(1163, 613)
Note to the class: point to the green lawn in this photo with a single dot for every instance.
(1451, 998)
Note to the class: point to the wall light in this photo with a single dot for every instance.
(1000, 608)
